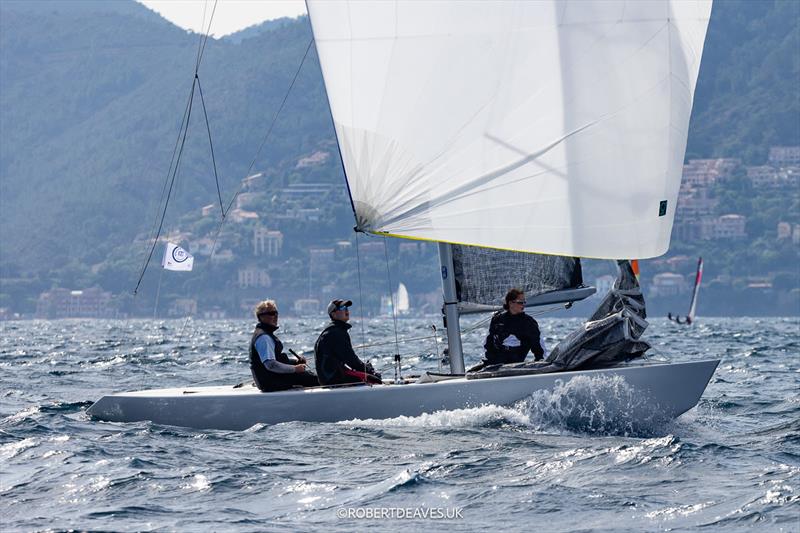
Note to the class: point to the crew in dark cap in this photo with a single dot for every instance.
(336, 362)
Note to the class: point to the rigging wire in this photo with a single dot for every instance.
(166, 181)
(360, 301)
(211, 146)
(178, 149)
(394, 309)
(274, 120)
(261, 146)
(169, 193)
(204, 36)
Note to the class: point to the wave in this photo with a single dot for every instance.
(603, 405)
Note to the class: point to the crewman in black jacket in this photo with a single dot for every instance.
(512, 333)
(336, 362)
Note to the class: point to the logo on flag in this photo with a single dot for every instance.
(176, 258)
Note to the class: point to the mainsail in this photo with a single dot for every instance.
(484, 275)
(555, 126)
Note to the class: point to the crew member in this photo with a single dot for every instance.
(512, 333)
(335, 359)
(272, 369)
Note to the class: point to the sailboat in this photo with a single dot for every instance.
(519, 136)
(397, 304)
(693, 305)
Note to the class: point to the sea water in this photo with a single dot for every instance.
(732, 463)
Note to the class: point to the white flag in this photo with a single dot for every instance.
(176, 258)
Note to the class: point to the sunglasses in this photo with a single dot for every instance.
(269, 313)
(342, 307)
(520, 302)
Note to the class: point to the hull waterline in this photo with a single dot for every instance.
(662, 390)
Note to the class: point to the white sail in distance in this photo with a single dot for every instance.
(402, 299)
(555, 127)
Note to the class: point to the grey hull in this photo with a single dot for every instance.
(664, 390)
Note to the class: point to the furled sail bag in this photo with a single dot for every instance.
(611, 334)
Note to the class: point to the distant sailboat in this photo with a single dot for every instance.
(693, 306)
(400, 299)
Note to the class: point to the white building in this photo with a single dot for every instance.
(785, 156)
(668, 284)
(267, 242)
(254, 276)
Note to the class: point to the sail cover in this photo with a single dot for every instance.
(483, 276)
(555, 126)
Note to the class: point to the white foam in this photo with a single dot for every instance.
(470, 417)
(12, 449)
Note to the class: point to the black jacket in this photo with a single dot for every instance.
(266, 380)
(523, 327)
(332, 351)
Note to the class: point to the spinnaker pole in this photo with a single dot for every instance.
(451, 309)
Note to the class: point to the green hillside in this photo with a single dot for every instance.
(91, 98)
(747, 96)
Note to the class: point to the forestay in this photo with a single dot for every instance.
(556, 127)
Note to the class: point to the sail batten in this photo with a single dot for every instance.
(569, 118)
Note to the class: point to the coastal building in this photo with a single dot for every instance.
(668, 284)
(247, 199)
(789, 231)
(253, 182)
(763, 177)
(65, 303)
(307, 306)
(706, 172)
(321, 258)
(728, 227)
(222, 257)
(267, 242)
(237, 216)
(214, 313)
(314, 160)
(183, 307)
(784, 156)
(253, 276)
(694, 203)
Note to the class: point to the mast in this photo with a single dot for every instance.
(451, 309)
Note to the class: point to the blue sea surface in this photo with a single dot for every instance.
(730, 464)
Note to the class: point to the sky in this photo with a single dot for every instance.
(230, 16)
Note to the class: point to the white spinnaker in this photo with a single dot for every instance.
(556, 127)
